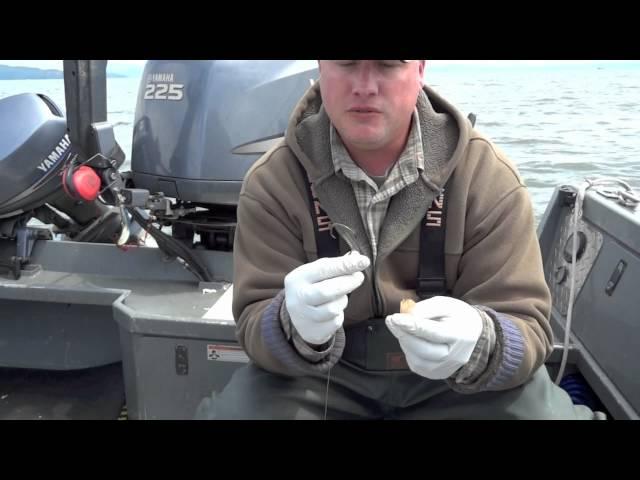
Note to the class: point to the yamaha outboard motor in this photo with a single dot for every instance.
(34, 146)
(199, 126)
(41, 178)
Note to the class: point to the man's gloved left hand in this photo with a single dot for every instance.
(438, 336)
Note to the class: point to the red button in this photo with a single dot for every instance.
(87, 183)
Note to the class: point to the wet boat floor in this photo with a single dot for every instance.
(91, 394)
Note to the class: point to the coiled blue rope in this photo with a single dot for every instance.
(579, 391)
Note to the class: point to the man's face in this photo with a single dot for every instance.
(370, 102)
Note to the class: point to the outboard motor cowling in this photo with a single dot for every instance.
(34, 147)
(200, 125)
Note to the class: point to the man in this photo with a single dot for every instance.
(325, 336)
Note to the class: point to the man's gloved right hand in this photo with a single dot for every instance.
(316, 294)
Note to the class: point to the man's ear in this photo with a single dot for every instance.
(421, 69)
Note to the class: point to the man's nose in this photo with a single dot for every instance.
(365, 82)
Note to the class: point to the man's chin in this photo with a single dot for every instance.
(365, 142)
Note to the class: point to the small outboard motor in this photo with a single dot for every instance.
(42, 177)
(199, 126)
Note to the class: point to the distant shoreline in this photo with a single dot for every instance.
(29, 73)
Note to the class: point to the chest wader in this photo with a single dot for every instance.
(370, 346)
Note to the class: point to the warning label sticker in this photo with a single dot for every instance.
(226, 353)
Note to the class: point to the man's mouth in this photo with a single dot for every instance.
(364, 110)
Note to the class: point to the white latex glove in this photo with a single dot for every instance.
(316, 294)
(438, 336)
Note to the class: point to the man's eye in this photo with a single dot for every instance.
(390, 63)
(345, 63)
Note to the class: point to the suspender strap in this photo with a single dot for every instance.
(431, 276)
(326, 244)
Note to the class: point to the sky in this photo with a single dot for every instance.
(133, 68)
(57, 64)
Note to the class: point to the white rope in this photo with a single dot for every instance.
(326, 394)
(628, 198)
